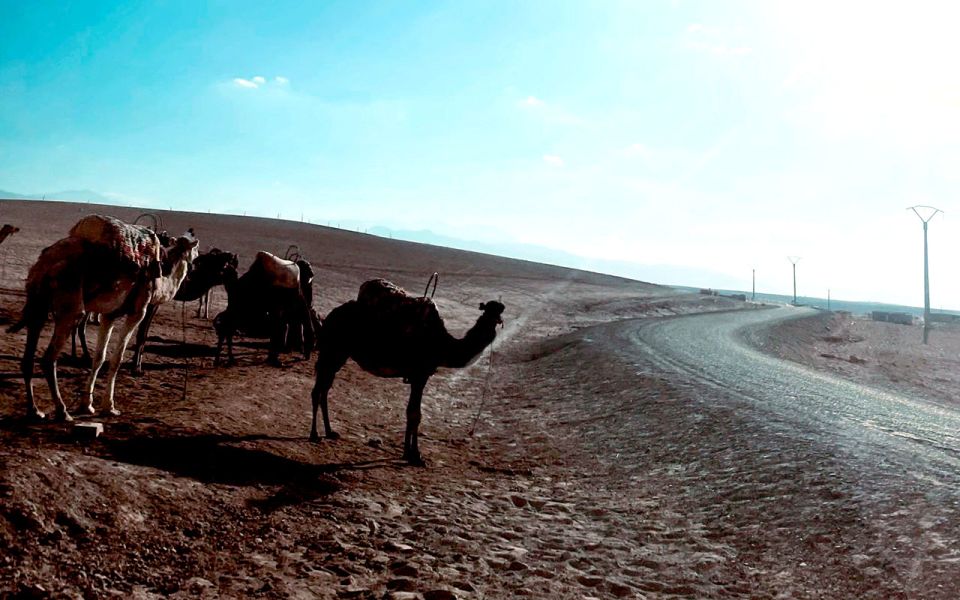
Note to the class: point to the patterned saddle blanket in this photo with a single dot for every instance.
(133, 243)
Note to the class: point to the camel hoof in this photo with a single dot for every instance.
(274, 362)
(88, 409)
(64, 416)
(112, 412)
(415, 460)
(35, 414)
(333, 435)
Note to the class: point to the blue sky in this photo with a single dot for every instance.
(722, 136)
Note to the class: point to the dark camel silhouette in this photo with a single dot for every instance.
(6, 231)
(260, 306)
(390, 334)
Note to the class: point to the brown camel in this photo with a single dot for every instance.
(6, 231)
(390, 334)
(104, 266)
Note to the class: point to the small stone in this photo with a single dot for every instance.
(195, 583)
(406, 571)
(439, 595)
(619, 590)
(375, 442)
(397, 547)
(516, 565)
(518, 501)
(464, 585)
(87, 431)
(401, 596)
(402, 584)
(589, 580)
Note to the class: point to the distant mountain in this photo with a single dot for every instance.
(658, 273)
(67, 195)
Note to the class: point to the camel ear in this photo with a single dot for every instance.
(483, 306)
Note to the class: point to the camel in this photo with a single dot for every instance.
(390, 334)
(6, 231)
(208, 270)
(274, 295)
(207, 273)
(104, 266)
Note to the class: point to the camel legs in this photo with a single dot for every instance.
(63, 329)
(411, 451)
(327, 368)
(142, 331)
(26, 367)
(103, 339)
(127, 328)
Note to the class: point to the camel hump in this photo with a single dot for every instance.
(276, 271)
(132, 242)
(391, 302)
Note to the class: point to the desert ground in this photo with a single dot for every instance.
(536, 485)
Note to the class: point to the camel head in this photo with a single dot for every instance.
(184, 247)
(306, 271)
(212, 266)
(8, 229)
(493, 310)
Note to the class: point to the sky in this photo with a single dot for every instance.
(723, 137)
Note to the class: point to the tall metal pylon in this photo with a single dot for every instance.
(931, 212)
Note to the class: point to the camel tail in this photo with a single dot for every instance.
(35, 309)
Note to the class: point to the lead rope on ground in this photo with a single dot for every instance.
(483, 393)
(183, 345)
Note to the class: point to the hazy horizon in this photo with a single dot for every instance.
(696, 136)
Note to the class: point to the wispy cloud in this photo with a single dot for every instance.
(259, 81)
(532, 102)
(553, 160)
(550, 113)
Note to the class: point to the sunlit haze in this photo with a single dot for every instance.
(705, 138)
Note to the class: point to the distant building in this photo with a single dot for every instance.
(944, 318)
(900, 318)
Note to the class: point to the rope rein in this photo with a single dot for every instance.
(183, 343)
(483, 393)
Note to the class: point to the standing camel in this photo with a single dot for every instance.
(104, 266)
(390, 334)
(208, 270)
(6, 231)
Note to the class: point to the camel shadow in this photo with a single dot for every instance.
(211, 458)
(172, 349)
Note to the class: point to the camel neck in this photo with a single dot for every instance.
(464, 351)
(167, 285)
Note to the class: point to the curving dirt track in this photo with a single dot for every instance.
(620, 450)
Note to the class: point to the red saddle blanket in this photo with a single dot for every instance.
(134, 243)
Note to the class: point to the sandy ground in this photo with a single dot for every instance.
(879, 354)
(206, 485)
(537, 483)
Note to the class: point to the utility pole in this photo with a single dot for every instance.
(931, 212)
(794, 260)
(828, 299)
(753, 293)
